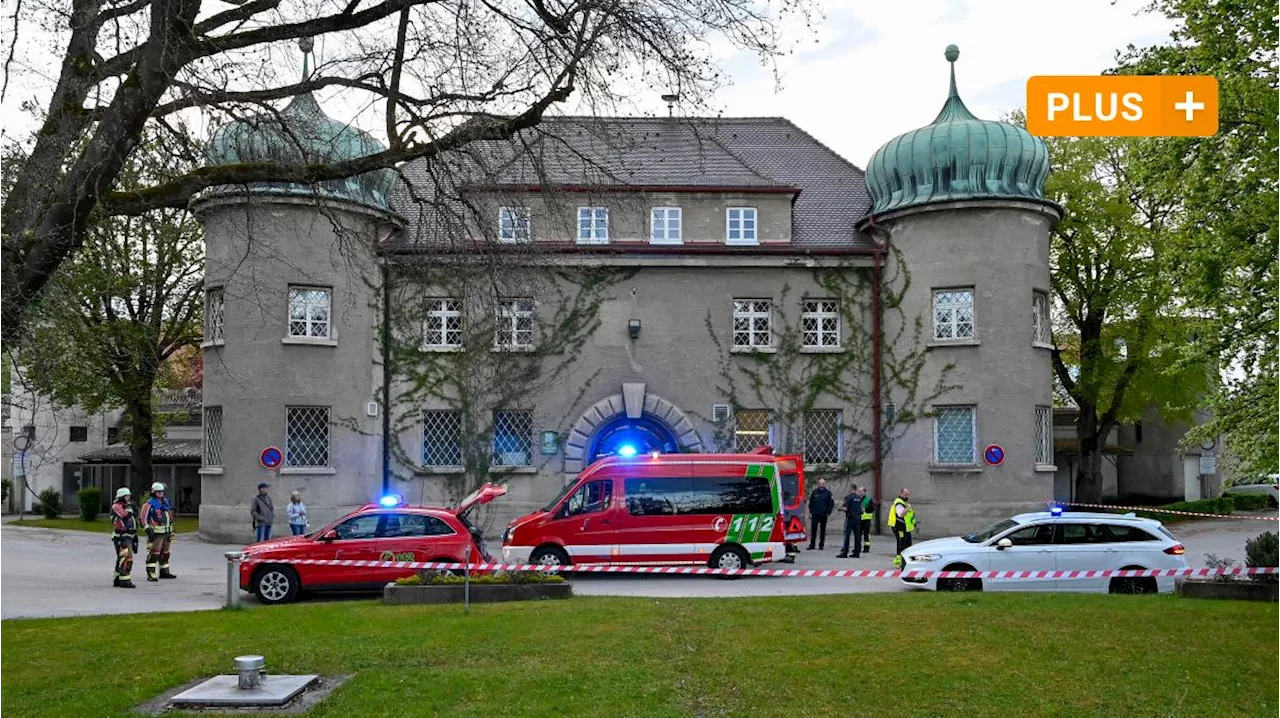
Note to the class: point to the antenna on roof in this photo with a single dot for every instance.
(671, 99)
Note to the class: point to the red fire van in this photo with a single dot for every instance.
(722, 510)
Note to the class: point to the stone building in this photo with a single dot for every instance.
(607, 285)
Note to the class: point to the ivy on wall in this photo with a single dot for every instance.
(477, 379)
(790, 379)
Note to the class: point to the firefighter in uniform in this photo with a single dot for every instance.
(124, 537)
(902, 521)
(157, 521)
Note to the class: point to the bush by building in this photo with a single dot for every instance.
(50, 503)
(90, 499)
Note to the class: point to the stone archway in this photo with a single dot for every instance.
(632, 402)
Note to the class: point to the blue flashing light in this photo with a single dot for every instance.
(389, 500)
(1055, 510)
(626, 451)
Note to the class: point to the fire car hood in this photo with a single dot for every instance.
(480, 497)
(274, 544)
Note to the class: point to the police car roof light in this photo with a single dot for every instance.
(389, 500)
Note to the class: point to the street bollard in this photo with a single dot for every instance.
(233, 578)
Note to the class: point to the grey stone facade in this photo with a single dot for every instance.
(674, 375)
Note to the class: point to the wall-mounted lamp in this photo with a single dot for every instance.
(633, 328)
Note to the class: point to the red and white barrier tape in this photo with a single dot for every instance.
(793, 573)
(1171, 511)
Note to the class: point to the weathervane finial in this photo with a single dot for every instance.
(953, 54)
(306, 44)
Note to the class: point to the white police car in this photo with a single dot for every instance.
(1051, 541)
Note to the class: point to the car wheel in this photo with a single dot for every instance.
(276, 584)
(549, 556)
(730, 557)
(959, 584)
(1132, 584)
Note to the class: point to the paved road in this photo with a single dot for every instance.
(47, 572)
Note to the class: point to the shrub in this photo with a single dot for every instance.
(433, 578)
(1223, 505)
(1263, 551)
(1249, 502)
(50, 503)
(7, 486)
(1215, 562)
(90, 499)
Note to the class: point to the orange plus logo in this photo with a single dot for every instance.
(1122, 106)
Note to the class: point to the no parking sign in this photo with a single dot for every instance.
(994, 454)
(271, 457)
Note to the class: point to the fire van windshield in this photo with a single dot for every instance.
(563, 492)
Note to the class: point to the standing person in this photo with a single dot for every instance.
(157, 521)
(821, 504)
(902, 521)
(851, 505)
(297, 513)
(868, 513)
(263, 512)
(124, 536)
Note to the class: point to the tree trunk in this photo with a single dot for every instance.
(141, 422)
(1091, 437)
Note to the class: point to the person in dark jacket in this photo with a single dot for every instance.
(821, 504)
(263, 512)
(852, 508)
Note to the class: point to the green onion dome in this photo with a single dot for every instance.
(302, 134)
(957, 157)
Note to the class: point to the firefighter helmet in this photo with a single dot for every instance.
(123, 492)
(157, 486)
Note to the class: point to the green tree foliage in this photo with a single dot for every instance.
(1119, 326)
(1224, 248)
(114, 316)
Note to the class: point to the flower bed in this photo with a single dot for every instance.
(430, 587)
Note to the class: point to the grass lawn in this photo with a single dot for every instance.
(871, 654)
(185, 524)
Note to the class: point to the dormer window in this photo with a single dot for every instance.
(741, 226)
(513, 224)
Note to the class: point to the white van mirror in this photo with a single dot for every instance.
(1003, 544)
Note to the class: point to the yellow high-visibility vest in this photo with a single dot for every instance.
(908, 518)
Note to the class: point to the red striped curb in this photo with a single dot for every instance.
(790, 573)
(1171, 511)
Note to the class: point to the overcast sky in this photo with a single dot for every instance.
(877, 69)
(869, 70)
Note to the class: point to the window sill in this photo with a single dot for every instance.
(210, 471)
(1042, 345)
(940, 343)
(958, 469)
(214, 343)
(513, 469)
(306, 470)
(513, 350)
(821, 350)
(310, 341)
(1047, 468)
(442, 349)
(438, 470)
(666, 242)
(753, 350)
(741, 243)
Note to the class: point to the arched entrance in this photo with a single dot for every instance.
(634, 418)
(624, 436)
